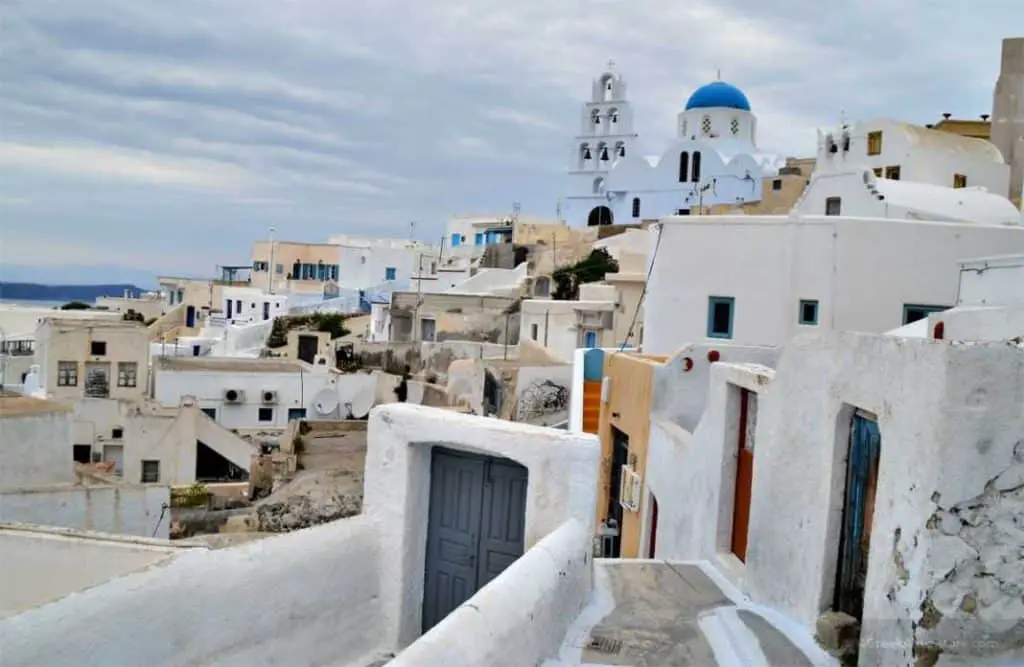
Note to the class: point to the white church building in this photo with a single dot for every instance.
(714, 158)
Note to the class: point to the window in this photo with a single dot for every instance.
(959, 180)
(834, 206)
(720, 316)
(389, 273)
(878, 171)
(533, 331)
(210, 412)
(81, 453)
(98, 348)
(456, 240)
(127, 373)
(279, 269)
(875, 143)
(684, 166)
(893, 173)
(295, 414)
(150, 472)
(636, 207)
(777, 184)
(915, 312)
(734, 126)
(682, 130)
(705, 126)
(695, 176)
(117, 433)
(478, 238)
(238, 307)
(809, 312)
(67, 373)
(266, 414)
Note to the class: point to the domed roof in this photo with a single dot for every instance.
(718, 94)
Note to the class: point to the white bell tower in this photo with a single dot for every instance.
(606, 135)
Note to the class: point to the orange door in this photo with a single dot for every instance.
(744, 478)
(591, 406)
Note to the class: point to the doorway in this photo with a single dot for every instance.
(858, 508)
(744, 473)
(475, 527)
(308, 346)
(600, 215)
(620, 458)
(652, 533)
(190, 316)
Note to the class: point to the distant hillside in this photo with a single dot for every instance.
(85, 293)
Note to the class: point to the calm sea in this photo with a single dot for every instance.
(33, 304)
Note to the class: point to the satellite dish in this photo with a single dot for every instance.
(362, 401)
(325, 402)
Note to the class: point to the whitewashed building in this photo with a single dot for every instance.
(247, 305)
(260, 394)
(714, 158)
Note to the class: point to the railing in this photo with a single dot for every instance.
(17, 348)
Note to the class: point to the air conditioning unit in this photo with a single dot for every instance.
(629, 489)
(269, 397)
(234, 396)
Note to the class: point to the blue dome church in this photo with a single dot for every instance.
(713, 159)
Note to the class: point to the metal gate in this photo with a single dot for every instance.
(475, 528)
(854, 543)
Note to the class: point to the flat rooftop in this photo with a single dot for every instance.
(230, 365)
(19, 405)
(108, 319)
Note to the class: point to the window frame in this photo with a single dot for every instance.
(959, 181)
(838, 201)
(926, 309)
(142, 471)
(893, 172)
(269, 412)
(390, 273)
(803, 321)
(69, 373)
(714, 301)
(97, 348)
(127, 374)
(874, 146)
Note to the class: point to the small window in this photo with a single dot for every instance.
(893, 173)
(150, 472)
(705, 126)
(695, 175)
(127, 374)
(834, 206)
(875, 143)
(295, 414)
(720, 315)
(117, 433)
(533, 331)
(636, 207)
(809, 312)
(389, 273)
(82, 453)
(777, 184)
(67, 373)
(210, 412)
(684, 166)
(98, 348)
(959, 180)
(266, 414)
(734, 126)
(915, 312)
(878, 171)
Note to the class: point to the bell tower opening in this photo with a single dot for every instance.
(599, 215)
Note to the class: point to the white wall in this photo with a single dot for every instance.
(309, 597)
(950, 420)
(122, 509)
(993, 281)
(248, 305)
(36, 449)
(861, 271)
(364, 264)
(562, 468)
(504, 282)
(294, 391)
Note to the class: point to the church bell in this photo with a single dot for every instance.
(586, 153)
(604, 153)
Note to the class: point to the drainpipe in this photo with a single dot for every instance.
(547, 315)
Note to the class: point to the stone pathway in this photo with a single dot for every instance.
(657, 614)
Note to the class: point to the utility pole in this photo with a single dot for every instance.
(412, 230)
(272, 265)
(419, 296)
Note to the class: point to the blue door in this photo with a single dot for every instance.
(190, 316)
(590, 339)
(858, 508)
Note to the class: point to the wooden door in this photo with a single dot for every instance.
(744, 473)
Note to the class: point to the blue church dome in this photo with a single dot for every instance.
(718, 94)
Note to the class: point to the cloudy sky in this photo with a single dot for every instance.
(168, 135)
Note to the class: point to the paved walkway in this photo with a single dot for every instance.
(657, 614)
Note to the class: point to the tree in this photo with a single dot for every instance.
(75, 305)
(590, 269)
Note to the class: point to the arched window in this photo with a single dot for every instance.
(620, 149)
(584, 155)
(598, 185)
(613, 116)
(695, 177)
(595, 117)
(636, 207)
(684, 166)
